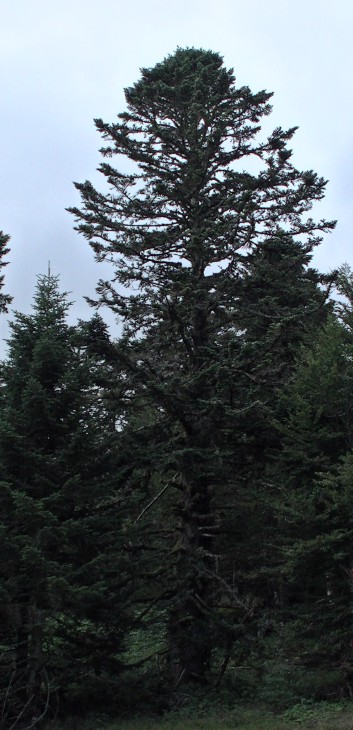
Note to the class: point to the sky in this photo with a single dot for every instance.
(65, 62)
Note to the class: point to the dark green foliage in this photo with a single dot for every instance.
(314, 507)
(215, 294)
(176, 507)
(61, 573)
(5, 299)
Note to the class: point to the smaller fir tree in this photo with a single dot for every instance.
(61, 573)
(5, 299)
(313, 508)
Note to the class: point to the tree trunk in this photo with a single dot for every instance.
(190, 644)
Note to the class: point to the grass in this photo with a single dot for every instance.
(322, 716)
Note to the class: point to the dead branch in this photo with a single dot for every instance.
(154, 500)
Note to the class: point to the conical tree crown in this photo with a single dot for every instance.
(182, 224)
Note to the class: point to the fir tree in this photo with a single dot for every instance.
(60, 571)
(203, 250)
(5, 299)
(313, 507)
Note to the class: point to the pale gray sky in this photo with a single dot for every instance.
(64, 62)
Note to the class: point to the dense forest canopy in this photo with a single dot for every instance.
(176, 504)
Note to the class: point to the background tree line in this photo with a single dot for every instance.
(176, 504)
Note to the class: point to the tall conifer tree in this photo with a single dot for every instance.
(203, 245)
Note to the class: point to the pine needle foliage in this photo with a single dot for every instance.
(60, 574)
(5, 299)
(207, 226)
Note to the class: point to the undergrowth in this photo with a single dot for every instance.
(304, 715)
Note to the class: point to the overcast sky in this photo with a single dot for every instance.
(65, 62)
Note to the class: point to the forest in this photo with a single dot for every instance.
(177, 502)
